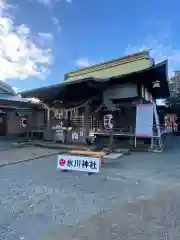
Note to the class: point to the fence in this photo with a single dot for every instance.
(126, 137)
(35, 130)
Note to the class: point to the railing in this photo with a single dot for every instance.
(126, 137)
(35, 130)
(36, 127)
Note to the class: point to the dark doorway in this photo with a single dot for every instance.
(2, 124)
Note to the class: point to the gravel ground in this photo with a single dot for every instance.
(39, 202)
(144, 219)
(8, 144)
(25, 153)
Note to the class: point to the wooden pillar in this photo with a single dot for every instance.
(48, 117)
(101, 120)
(111, 138)
(68, 118)
(86, 121)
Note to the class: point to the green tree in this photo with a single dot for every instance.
(173, 102)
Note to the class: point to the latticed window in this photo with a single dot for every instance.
(77, 121)
(94, 122)
(77, 118)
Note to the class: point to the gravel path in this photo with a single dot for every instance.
(39, 202)
(22, 154)
(144, 219)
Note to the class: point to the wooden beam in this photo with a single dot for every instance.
(86, 120)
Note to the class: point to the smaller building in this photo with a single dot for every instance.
(17, 113)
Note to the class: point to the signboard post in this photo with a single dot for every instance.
(144, 120)
(78, 163)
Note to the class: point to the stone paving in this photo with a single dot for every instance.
(129, 199)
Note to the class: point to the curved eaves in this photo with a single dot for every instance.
(6, 89)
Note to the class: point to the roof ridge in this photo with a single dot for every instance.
(136, 54)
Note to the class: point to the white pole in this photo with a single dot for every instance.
(157, 122)
(152, 142)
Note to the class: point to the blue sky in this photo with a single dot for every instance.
(44, 39)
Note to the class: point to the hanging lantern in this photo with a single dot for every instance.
(156, 84)
(23, 122)
(108, 121)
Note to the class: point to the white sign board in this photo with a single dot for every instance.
(78, 163)
(75, 136)
(144, 120)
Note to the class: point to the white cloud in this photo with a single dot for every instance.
(55, 21)
(83, 62)
(161, 48)
(46, 36)
(19, 56)
(45, 2)
(17, 90)
(50, 3)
